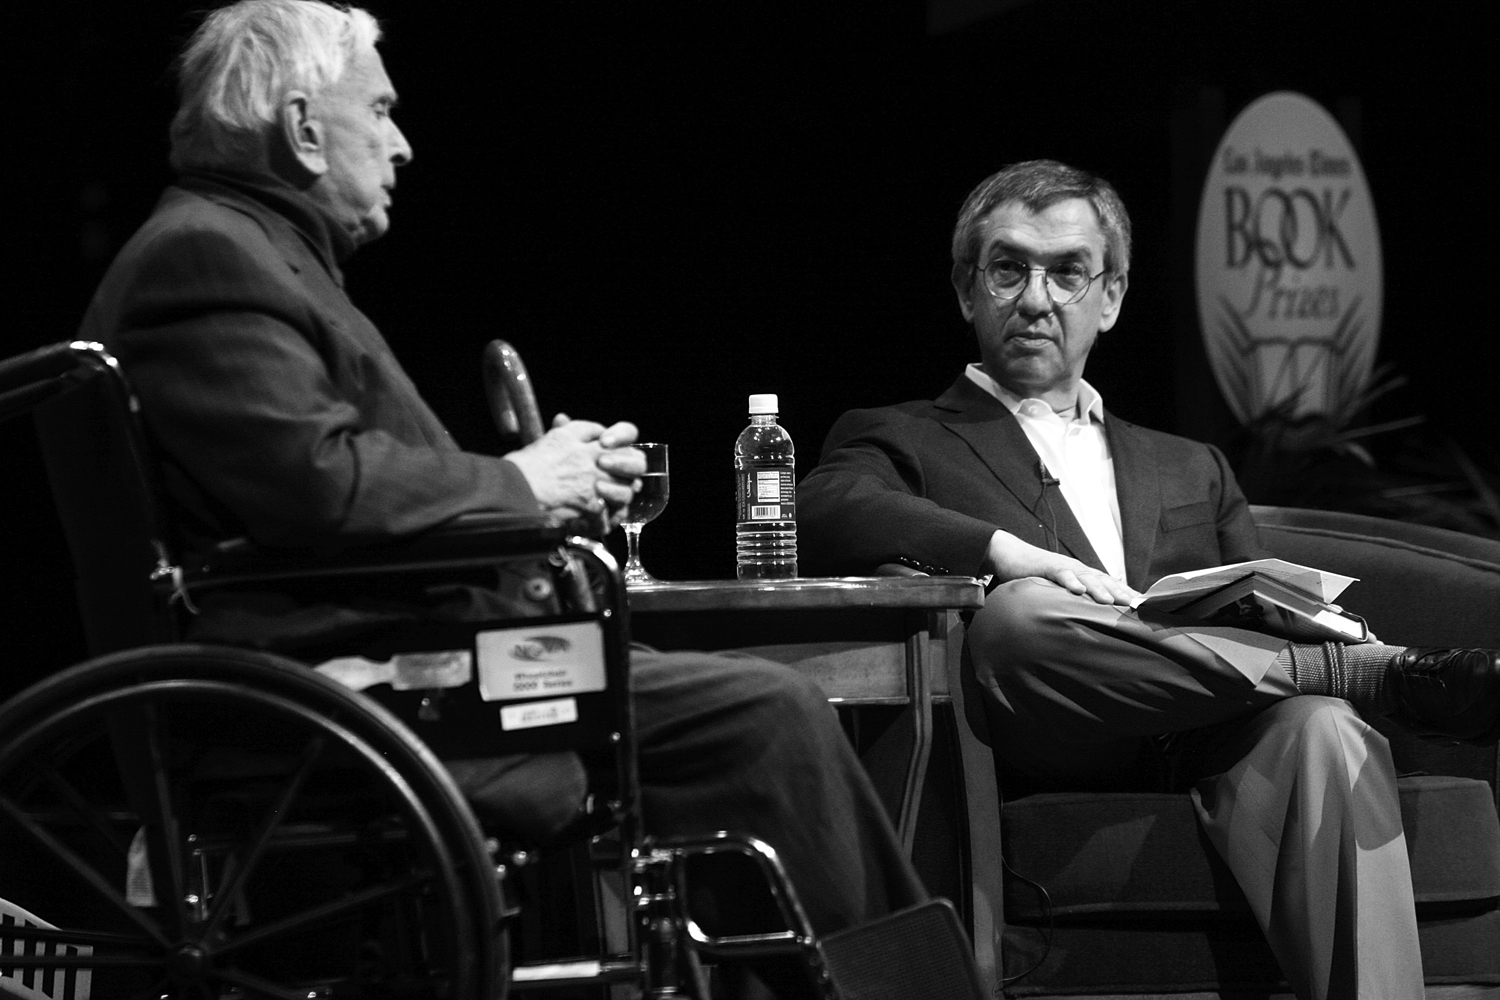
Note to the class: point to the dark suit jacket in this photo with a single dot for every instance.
(279, 410)
(928, 483)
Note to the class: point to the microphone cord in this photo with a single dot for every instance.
(1046, 901)
(1047, 479)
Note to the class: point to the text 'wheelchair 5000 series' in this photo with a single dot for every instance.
(206, 821)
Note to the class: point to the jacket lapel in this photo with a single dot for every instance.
(1139, 491)
(994, 435)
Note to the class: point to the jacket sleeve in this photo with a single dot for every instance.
(233, 365)
(863, 504)
(1239, 541)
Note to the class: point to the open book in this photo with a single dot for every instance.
(1269, 594)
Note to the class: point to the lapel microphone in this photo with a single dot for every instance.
(1048, 479)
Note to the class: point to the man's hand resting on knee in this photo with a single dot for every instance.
(1009, 558)
(582, 467)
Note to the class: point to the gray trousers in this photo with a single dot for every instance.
(732, 742)
(1297, 793)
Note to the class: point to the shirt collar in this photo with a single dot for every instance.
(1091, 408)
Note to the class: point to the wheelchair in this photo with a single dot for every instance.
(195, 820)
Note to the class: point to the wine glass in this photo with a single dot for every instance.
(650, 501)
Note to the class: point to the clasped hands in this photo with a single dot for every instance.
(1009, 558)
(582, 468)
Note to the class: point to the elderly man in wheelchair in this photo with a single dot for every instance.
(252, 486)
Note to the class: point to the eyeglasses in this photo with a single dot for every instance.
(1067, 282)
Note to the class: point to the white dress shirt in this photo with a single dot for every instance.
(1074, 449)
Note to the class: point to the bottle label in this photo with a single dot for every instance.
(767, 495)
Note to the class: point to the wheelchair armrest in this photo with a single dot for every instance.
(468, 540)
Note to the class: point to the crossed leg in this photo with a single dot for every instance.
(1298, 794)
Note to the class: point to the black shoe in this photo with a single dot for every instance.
(1447, 692)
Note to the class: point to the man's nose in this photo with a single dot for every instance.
(1035, 299)
(400, 148)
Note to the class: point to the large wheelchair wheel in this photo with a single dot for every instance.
(212, 823)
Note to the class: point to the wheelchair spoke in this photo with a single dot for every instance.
(25, 932)
(234, 877)
(80, 961)
(81, 807)
(239, 977)
(135, 736)
(83, 870)
(170, 834)
(287, 925)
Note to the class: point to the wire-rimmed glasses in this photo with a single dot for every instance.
(1006, 278)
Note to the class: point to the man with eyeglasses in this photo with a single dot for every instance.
(1017, 472)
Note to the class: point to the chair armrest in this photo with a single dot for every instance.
(1456, 545)
(1419, 585)
(466, 541)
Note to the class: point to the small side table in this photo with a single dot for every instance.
(887, 640)
(865, 640)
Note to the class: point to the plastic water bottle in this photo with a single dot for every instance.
(765, 495)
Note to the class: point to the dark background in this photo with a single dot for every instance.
(667, 207)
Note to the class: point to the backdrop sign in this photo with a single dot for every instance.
(1288, 269)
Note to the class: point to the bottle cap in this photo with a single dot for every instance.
(763, 402)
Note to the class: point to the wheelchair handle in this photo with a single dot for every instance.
(511, 393)
(28, 379)
(40, 365)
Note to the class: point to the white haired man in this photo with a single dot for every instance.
(282, 415)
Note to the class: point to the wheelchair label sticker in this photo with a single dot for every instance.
(540, 660)
(538, 713)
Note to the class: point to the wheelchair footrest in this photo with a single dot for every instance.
(920, 953)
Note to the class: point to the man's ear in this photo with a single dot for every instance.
(963, 279)
(302, 134)
(1114, 297)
